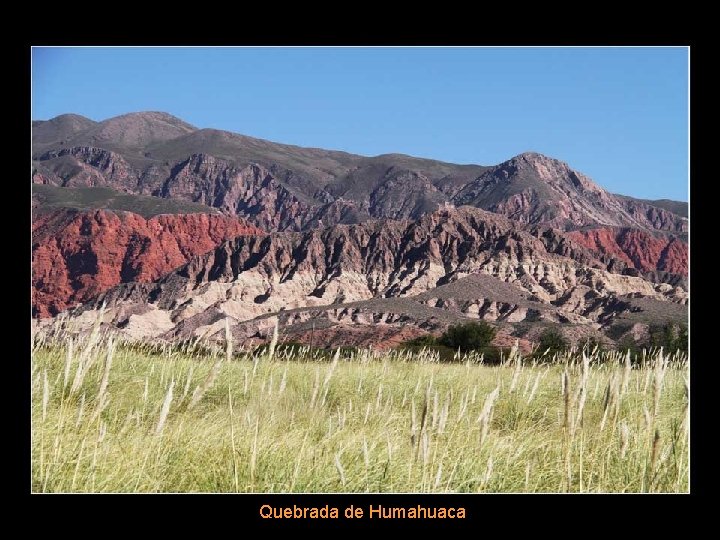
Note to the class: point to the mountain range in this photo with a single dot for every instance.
(176, 229)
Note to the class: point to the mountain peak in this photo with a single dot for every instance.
(136, 130)
(152, 116)
(60, 127)
(535, 158)
(531, 155)
(71, 118)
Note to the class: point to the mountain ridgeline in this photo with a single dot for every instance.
(281, 187)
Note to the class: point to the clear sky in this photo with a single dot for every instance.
(620, 115)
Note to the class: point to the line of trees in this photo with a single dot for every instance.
(478, 336)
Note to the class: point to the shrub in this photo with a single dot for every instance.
(470, 336)
(423, 341)
(494, 355)
(627, 343)
(591, 343)
(618, 330)
(683, 338)
(553, 340)
(670, 337)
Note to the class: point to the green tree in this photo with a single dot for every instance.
(627, 343)
(427, 340)
(552, 341)
(683, 338)
(591, 343)
(470, 336)
(670, 337)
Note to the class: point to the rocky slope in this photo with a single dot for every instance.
(282, 187)
(681, 208)
(47, 197)
(533, 188)
(79, 254)
(639, 249)
(453, 264)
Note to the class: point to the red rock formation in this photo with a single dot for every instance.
(78, 254)
(456, 264)
(643, 250)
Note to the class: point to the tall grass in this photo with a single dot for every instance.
(120, 417)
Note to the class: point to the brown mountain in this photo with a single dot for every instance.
(281, 187)
(162, 221)
(385, 277)
(533, 188)
(79, 254)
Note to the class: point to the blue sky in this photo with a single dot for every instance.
(617, 114)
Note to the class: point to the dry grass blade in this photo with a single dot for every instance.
(518, 366)
(274, 340)
(228, 341)
(81, 408)
(106, 371)
(566, 398)
(626, 373)
(283, 382)
(206, 385)
(232, 443)
(438, 478)
(46, 395)
(488, 474)
(424, 415)
(333, 365)
(443, 417)
(254, 453)
(68, 361)
(188, 381)
(654, 455)
(582, 393)
(165, 409)
(340, 469)
(316, 389)
(535, 387)
(425, 448)
(271, 347)
(486, 414)
(328, 376)
(624, 438)
(658, 377)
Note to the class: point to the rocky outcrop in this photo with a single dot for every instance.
(77, 255)
(251, 191)
(453, 264)
(680, 208)
(533, 188)
(640, 249)
(86, 166)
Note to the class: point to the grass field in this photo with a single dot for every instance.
(113, 417)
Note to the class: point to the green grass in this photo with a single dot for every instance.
(396, 422)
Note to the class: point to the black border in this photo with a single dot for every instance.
(529, 512)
